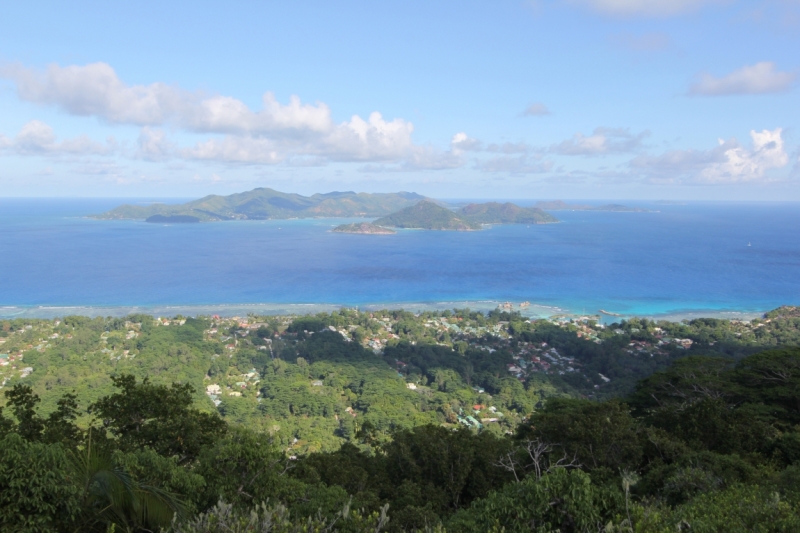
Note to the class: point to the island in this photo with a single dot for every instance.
(560, 205)
(265, 204)
(507, 213)
(363, 228)
(428, 215)
(172, 219)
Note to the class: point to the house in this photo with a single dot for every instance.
(316, 383)
(411, 386)
(235, 393)
(213, 389)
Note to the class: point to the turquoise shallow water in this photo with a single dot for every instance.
(684, 258)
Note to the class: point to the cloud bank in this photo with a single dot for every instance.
(38, 138)
(728, 162)
(647, 8)
(760, 78)
(266, 136)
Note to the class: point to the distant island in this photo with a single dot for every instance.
(428, 215)
(507, 213)
(172, 219)
(394, 210)
(363, 228)
(265, 203)
(560, 205)
(431, 216)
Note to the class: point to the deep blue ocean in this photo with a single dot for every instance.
(692, 257)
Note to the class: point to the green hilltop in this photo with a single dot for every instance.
(507, 213)
(428, 215)
(265, 203)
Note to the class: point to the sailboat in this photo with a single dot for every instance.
(748, 243)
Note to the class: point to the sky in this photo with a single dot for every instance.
(544, 99)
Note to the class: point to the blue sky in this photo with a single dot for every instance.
(605, 99)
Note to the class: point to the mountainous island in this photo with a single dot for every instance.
(363, 228)
(431, 216)
(265, 203)
(428, 215)
(560, 205)
(398, 210)
(507, 213)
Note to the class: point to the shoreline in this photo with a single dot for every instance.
(533, 310)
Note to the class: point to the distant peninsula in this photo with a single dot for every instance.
(172, 219)
(428, 215)
(560, 205)
(363, 228)
(265, 204)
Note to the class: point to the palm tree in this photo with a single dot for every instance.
(113, 499)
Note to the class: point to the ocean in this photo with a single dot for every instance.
(697, 259)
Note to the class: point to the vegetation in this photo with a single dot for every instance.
(427, 215)
(507, 213)
(363, 422)
(264, 203)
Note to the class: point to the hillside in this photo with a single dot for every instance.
(445, 418)
(507, 213)
(427, 215)
(265, 203)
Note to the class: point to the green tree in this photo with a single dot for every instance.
(161, 417)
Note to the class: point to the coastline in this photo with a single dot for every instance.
(533, 311)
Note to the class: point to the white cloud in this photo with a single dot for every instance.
(461, 142)
(728, 162)
(275, 133)
(235, 150)
(760, 78)
(536, 110)
(38, 138)
(153, 145)
(647, 8)
(602, 141)
(96, 90)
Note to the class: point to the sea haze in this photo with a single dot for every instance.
(684, 257)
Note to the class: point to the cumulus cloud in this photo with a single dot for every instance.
(96, 90)
(153, 145)
(728, 162)
(602, 141)
(38, 138)
(647, 8)
(461, 142)
(760, 78)
(266, 136)
(536, 109)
